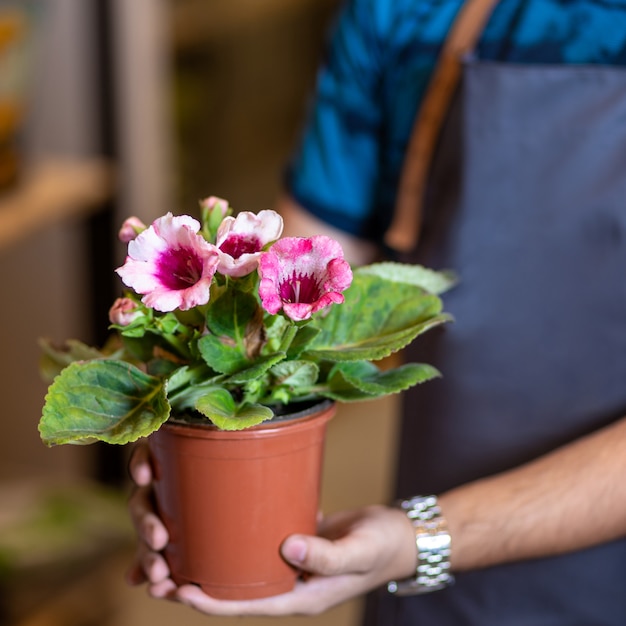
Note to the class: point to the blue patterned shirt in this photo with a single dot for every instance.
(378, 64)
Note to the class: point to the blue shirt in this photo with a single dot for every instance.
(378, 64)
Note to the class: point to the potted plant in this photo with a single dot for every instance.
(227, 340)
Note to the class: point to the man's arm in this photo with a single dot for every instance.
(570, 499)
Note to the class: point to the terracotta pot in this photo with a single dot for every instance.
(230, 498)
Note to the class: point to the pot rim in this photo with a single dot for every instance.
(296, 420)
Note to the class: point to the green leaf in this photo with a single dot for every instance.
(222, 355)
(235, 321)
(187, 375)
(141, 348)
(378, 317)
(416, 275)
(220, 407)
(188, 383)
(55, 359)
(349, 382)
(260, 367)
(104, 400)
(275, 328)
(161, 368)
(301, 341)
(135, 330)
(232, 313)
(296, 374)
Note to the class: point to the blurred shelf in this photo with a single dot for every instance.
(196, 21)
(51, 192)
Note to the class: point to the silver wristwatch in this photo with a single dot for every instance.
(433, 548)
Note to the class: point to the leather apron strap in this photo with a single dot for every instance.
(403, 232)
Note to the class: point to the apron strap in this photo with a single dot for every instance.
(403, 232)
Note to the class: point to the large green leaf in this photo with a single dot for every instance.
(349, 382)
(105, 400)
(416, 275)
(378, 317)
(220, 407)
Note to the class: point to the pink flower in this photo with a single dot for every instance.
(171, 264)
(302, 276)
(130, 229)
(241, 240)
(123, 312)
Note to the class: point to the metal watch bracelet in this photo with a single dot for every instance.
(433, 548)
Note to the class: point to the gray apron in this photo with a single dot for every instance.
(527, 202)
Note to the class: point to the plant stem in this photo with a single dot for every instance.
(180, 347)
(288, 337)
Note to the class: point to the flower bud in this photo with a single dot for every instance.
(213, 203)
(123, 312)
(130, 229)
(213, 210)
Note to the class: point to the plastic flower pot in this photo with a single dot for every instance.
(230, 498)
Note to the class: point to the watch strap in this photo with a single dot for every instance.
(433, 548)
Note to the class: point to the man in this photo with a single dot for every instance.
(517, 455)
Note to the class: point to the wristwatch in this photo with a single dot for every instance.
(433, 548)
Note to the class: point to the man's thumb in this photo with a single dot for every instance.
(314, 554)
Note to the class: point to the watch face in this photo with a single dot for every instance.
(438, 543)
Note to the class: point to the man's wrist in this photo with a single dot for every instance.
(433, 548)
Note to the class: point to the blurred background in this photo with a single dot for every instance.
(111, 108)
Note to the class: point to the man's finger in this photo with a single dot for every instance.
(139, 465)
(149, 527)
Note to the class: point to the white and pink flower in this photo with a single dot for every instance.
(170, 264)
(241, 240)
(303, 275)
